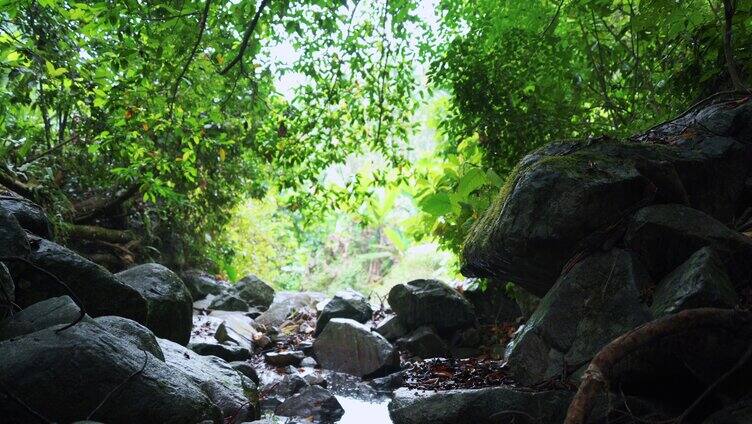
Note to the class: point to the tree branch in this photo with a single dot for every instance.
(93, 208)
(729, 7)
(93, 232)
(246, 37)
(192, 55)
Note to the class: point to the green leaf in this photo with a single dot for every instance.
(436, 204)
(472, 180)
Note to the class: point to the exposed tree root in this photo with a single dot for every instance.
(597, 375)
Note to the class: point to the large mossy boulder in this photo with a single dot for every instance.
(345, 304)
(597, 301)
(100, 291)
(563, 194)
(350, 347)
(432, 303)
(66, 376)
(170, 306)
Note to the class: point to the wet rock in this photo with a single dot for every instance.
(30, 216)
(235, 394)
(737, 413)
(228, 302)
(285, 303)
(391, 328)
(13, 240)
(389, 383)
(157, 394)
(238, 329)
(308, 362)
(345, 304)
(667, 235)
(100, 291)
(289, 385)
(7, 292)
(132, 332)
(581, 187)
(283, 359)
(254, 292)
(699, 282)
(246, 369)
(491, 302)
(228, 353)
(500, 405)
(431, 302)
(201, 284)
(312, 401)
(54, 311)
(424, 343)
(350, 347)
(597, 301)
(170, 306)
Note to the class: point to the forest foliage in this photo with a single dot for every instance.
(176, 106)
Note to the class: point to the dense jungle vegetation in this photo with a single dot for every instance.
(324, 144)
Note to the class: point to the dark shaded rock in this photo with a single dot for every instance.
(431, 302)
(246, 369)
(283, 359)
(30, 216)
(578, 188)
(13, 240)
(235, 394)
(99, 290)
(170, 305)
(41, 315)
(526, 301)
(389, 383)
(228, 302)
(424, 343)
(737, 413)
(133, 333)
(492, 304)
(289, 385)
(699, 282)
(391, 328)
(254, 292)
(201, 283)
(597, 301)
(81, 365)
(496, 405)
(7, 292)
(665, 236)
(228, 353)
(312, 401)
(350, 347)
(345, 304)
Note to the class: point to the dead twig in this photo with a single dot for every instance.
(119, 386)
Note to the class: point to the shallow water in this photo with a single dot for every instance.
(363, 412)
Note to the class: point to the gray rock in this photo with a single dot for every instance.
(237, 328)
(424, 343)
(350, 347)
(99, 290)
(53, 311)
(170, 304)
(496, 405)
(235, 394)
(283, 359)
(255, 292)
(308, 362)
(13, 240)
(578, 188)
(288, 386)
(30, 216)
(665, 236)
(491, 302)
(132, 332)
(201, 283)
(246, 369)
(285, 303)
(699, 282)
(228, 353)
(66, 375)
(345, 304)
(391, 328)
(431, 302)
(595, 302)
(228, 302)
(312, 401)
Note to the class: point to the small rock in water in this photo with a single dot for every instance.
(246, 369)
(312, 401)
(228, 353)
(283, 359)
